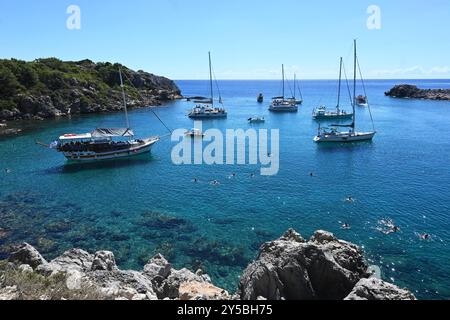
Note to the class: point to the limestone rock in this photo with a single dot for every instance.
(170, 287)
(157, 267)
(322, 268)
(194, 290)
(376, 289)
(104, 260)
(27, 254)
(75, 259)
(9, 293)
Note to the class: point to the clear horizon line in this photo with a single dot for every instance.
(323, 79)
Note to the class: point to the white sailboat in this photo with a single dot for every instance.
(321, 113)
(294, 97)
(281, 104)
(333, 134)
(206, 110)
(104, 143)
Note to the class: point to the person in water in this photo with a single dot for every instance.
(350, 199)
(425, 236)
(7, 170)
(195, 180)
(345, 226)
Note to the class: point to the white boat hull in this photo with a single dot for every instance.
(292, 108)
(145, 147)
(345, 137)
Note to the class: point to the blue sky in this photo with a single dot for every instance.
(249, 39)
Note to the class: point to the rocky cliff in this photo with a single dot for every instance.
(288, 268)
(47, 88)
(413, 92)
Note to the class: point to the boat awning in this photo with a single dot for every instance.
(74, 136)
(110, 132)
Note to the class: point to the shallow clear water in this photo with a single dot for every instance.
(141, 206)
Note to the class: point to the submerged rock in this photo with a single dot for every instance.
(322, 268)
(377, 289)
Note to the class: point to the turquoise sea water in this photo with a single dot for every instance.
(141, 206)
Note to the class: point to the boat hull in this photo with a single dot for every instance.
(208, 116)
(345, 137)
(145, 147)
(332, 117)
(283, 109)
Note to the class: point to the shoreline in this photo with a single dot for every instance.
(14, 128)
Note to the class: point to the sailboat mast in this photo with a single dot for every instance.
(339, 86)
(354, 85)
(282, 71)
(295, 86)
(124, 99)
(210, 79)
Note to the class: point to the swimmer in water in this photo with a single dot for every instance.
(311, 174)
(425, 236)
(7, 171)
(349, 199)
(195, 180)
(345, 226)
(215, 183)
(252, 175)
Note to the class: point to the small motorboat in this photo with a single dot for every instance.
(194, 133)
(260, 98)
(256, 120)
(361, 100)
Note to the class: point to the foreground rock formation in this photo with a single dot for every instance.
(288, 268)
(413, 92)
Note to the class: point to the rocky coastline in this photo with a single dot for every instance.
(51, 88)
(407, 91)
(289, 268)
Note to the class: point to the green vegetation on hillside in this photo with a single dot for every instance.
(88, 83)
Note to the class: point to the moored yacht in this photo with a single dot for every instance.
(206, 110)
(321, 113)
(281, 104)
(333, 134)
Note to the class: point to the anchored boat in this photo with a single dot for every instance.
(333, 134)
(321, 113)
(281, 104)
(256, 120)
(294, 98)
(206, 109)
(104, 143)
(260, 98)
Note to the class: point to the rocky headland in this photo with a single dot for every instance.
(49, 88)
(408, 91)
(289, 268)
